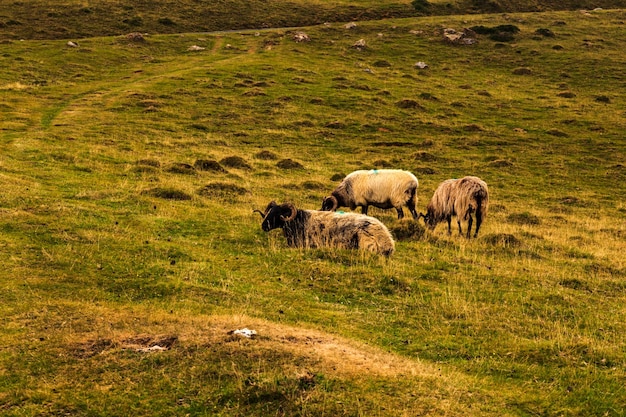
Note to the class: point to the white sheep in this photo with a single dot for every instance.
(461, 198)
(317, 229)
(382, 188)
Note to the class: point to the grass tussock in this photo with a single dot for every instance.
(235, 162)
(209, 165)
(167, 193)
(222, 190)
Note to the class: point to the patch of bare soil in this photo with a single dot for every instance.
(334, 354)
(139, 343)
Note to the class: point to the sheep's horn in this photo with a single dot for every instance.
(271, 205)
(293, 213)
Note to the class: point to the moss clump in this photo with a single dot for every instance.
(221, 190)
(524, 218)
(167, 193)
(502, 239)
(312, 185)
(424, 156)
(409, 104)
(266, 156)
(522, 71)
(181, 168)
(500, 163)
(289, 164)
(382, 163)
(235, 162)
(208, 165)
(408, 230)
(149, 162)
(425, 171)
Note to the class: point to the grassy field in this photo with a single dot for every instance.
(130, 169)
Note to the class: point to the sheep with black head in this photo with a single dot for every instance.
(382, 188)
(318, 229)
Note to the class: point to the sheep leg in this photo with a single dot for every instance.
(458, 221)
(400, 213)
(449, 220)
(479, 220)
(411, 205)
(469, 225)
(364, 209)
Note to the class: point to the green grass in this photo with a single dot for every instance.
(110, 244)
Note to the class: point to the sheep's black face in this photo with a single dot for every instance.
(275, 217)
(429, 220)
(272, 221)
(328, 204)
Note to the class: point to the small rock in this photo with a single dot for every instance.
(135, 37)
(301, 37)
(350, 25)
(245, 332)
(421, 65)
(466, 37)
(194, 48)
(360, 44)
(71, 44)
(155, 348)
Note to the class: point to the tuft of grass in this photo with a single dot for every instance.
(408, 231)
(266, 155)
(506, 240)
(289, 164)
(235, 162)
(167, 193)
(222, 190)
(523, 218)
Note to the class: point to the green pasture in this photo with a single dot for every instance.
(130, 168)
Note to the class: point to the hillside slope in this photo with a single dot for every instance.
(130, 168)
(71, 19)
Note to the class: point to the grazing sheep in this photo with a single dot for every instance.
(382, 188)
(461, 198)
(316, 229)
